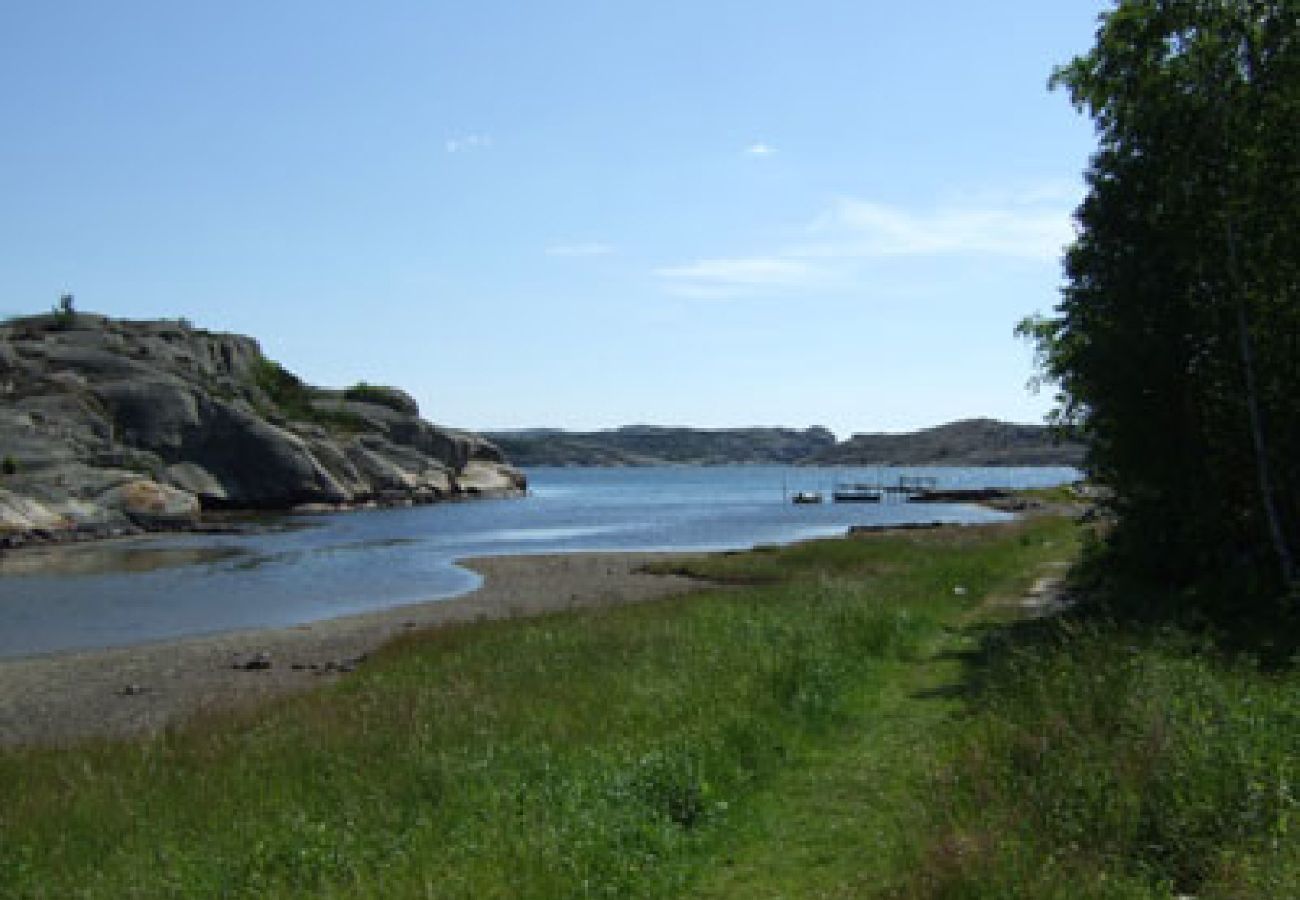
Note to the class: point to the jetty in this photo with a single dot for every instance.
(905, 489)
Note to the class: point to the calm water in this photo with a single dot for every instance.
(146, 589)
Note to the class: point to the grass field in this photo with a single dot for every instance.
(1106, 760)
(821, 723)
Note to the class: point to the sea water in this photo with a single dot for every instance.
(145, 589)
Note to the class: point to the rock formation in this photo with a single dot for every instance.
(110, 425)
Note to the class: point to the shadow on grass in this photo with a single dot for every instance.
(955, 691)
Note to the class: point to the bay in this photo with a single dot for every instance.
(157, 587)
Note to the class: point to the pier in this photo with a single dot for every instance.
(904, 489)
(907, 488)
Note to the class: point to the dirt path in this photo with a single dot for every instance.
(1048, 595)
(119, 692)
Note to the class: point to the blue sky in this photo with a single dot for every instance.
(576, 214)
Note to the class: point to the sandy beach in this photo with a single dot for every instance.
(120, 692)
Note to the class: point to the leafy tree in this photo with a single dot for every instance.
(65, 311)
(1176, 343)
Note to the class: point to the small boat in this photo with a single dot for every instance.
(856, 493)
(806, 497)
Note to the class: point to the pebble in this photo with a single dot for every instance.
(342, 667)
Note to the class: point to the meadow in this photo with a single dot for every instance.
(856, 717)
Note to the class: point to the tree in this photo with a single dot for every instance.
(65, 311)
(1176, 343)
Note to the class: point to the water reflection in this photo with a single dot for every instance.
(103, 558)
(253, 561)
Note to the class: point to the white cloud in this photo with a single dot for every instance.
(859, 228)
(591, 248)
(466, 142)
(720, 279)
(760, 149)
(832, 250)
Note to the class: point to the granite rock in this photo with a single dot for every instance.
(111, 424)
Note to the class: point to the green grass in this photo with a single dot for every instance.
(618, 752)
(1063, 493)
(842, 724)
(292, 398)
(1111, 761)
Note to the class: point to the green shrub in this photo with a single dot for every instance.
(65, 312)
(293, 398)
(8, 466)
(379, 395)
(281, 386)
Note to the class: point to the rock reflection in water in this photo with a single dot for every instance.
(100, 559)
(253, 561)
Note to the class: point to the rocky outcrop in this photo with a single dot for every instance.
(110, 424)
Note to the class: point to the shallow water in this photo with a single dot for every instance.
(145, 589)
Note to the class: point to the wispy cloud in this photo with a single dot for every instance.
(725, 278)
(860, 228)
(588, 248)
(760, 149)
(836, 247)
(466, 142)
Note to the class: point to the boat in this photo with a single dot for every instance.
(851, 492)
(917, 488)
(806, 497)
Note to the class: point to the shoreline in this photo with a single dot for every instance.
(221, 521)
(120, 692)
(70, 695)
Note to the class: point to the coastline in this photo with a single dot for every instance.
(218, 521)
(124, 691)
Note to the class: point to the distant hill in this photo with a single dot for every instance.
(972, 442)
(645, 445)
(969, 442)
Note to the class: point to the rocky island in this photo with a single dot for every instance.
(111, 426)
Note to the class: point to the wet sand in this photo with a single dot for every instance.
(120, 692)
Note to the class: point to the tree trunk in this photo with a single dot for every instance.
(1263, 471)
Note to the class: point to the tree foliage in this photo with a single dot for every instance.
(65, 311)
(1176, 343)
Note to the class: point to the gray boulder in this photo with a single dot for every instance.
(195, 479)
(159, 414)
(259, 464)
(485, 479)
(110, 422)
(19, 514)
(152, 505)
